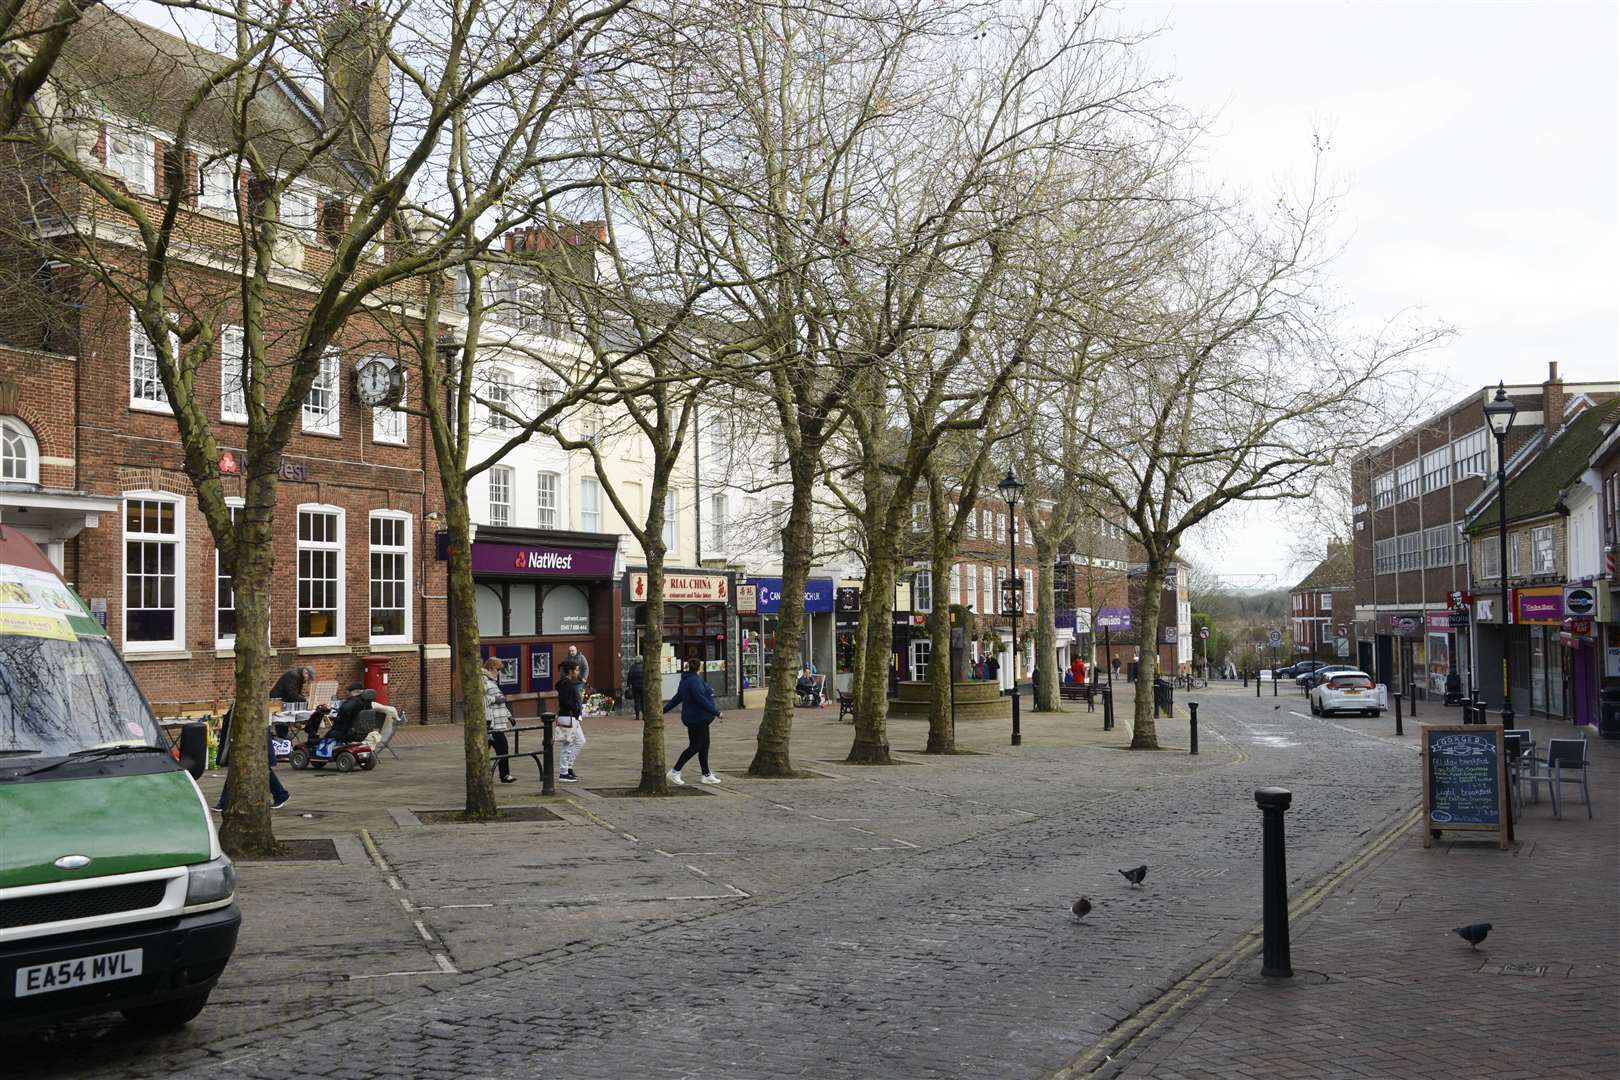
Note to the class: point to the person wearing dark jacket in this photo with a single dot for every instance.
(635, 683)
(698, 711)
(295, 684)
(570, 729)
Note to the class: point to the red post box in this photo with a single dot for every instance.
(376, 676)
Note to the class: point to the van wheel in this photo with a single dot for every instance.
(345, 761)
(169, 1014)
(299, 758)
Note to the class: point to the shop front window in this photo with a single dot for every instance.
(1439, 663)
(1538, 670)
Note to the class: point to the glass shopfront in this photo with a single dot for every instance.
(698, 609)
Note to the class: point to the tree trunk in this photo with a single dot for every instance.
(871, 746)
(246, 827)
(941, 678)
(1048, 698)
(771, 757)
(464, 640)
(653, 781)
(1146, 734)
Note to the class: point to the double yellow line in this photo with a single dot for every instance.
(1192, 987)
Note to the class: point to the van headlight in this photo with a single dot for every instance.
(211, 881)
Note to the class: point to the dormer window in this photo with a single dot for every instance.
(19, 452)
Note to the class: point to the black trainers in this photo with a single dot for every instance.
(285, 799)
(508, 779)
(569, 777)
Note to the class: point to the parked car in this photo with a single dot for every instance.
(1311, 678)
(1346, 691)
(1300, 667)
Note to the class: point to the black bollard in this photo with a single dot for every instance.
(548, 762)
(1397, 697)
(1274, 683)
(1257, 684)
(1411, 698)
(1108, 708)
(1245, 678)
(1192, 709)
(1275, 960)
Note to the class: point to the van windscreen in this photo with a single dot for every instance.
(59, 695)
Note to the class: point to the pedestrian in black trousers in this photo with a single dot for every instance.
(698, 711)
(635, 683)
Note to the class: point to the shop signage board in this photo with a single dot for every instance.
(1540, 606)
(849, 599)
(1113, 618)
(747, 599)
(533, 560)
(1580, 601)
(818, 594)
(1464, 780)
(1406, 624)
(684, 588)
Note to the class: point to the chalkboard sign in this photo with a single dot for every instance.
(1464, 780)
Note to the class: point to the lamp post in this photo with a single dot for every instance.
(1499, 413)
(1010, 490)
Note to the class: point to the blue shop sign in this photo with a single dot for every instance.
(818, 594)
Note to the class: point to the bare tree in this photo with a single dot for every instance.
(247, 143)
(31, 41)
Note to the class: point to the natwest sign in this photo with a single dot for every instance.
(541, 560)
(683, 588)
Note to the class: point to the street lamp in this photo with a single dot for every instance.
(1499, 413)
(1010, 490)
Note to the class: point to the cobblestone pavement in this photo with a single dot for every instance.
(1382, 988)
(868, 922)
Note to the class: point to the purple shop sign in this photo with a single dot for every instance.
(1114, 618)
(1543, 607)
(542, 560)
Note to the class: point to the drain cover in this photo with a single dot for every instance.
(1532, 970)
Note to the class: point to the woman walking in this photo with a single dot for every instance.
(698, 711)
(497, 717)
(570, 726)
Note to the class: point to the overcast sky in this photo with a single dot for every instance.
(1479, 147)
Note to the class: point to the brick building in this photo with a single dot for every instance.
(93, 469)
(1410, 498)
(1552, 668)
(1323, 608)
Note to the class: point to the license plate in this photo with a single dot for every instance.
(1352, 691)
(82, 971)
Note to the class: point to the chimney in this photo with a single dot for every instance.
(1552, 399)
(354, 80)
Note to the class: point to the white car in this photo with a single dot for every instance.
(1346, 691)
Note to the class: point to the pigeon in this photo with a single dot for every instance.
(1276, 708)
(1473, 934)
(1135, 876)
(1081, 907)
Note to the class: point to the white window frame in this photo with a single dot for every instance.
(1437, 469)
(922, 649)
(178, 539)
(339, 546)
(298, 211)
(18, 444)
(405, 552)
(719, 518)
(1490, 558)
(1437, 546)
(973, 525)
(500, 389)
(547, 503)
(1383, 490)
(149, 355)
(500, 484)
(225, 642)
(1544, 541)
(1325, 602)
(1408, 480)
(956, 583)
(217, 181)
(1029, 591)
(1470, 454)
(590, 504)
(131, 156)
(233, 352)
(973, 586)
(390, 426)
(1001, 528)
(1513, 554)
(922, 592)
(325, 422)
(1384, 556)
(672, 522)
(1409, 550)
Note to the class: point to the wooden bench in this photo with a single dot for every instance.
(1086, 692)
(846, 706)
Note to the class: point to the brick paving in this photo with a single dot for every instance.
(1382, 988)
(871, 922)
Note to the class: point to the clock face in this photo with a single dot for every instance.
(374, 382)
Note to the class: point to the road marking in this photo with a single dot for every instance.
(1192, 987)
(695, 870)
(423, 930)
(376, 855)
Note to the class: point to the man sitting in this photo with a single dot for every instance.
(348, 714)
(806, 688)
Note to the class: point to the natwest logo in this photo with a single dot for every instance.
(528, 559)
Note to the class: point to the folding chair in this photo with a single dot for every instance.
(1566, 756)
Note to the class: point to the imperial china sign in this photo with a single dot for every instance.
(684, 588)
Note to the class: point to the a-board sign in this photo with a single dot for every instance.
(1464, 780)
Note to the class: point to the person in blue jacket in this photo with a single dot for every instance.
(698, 711)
